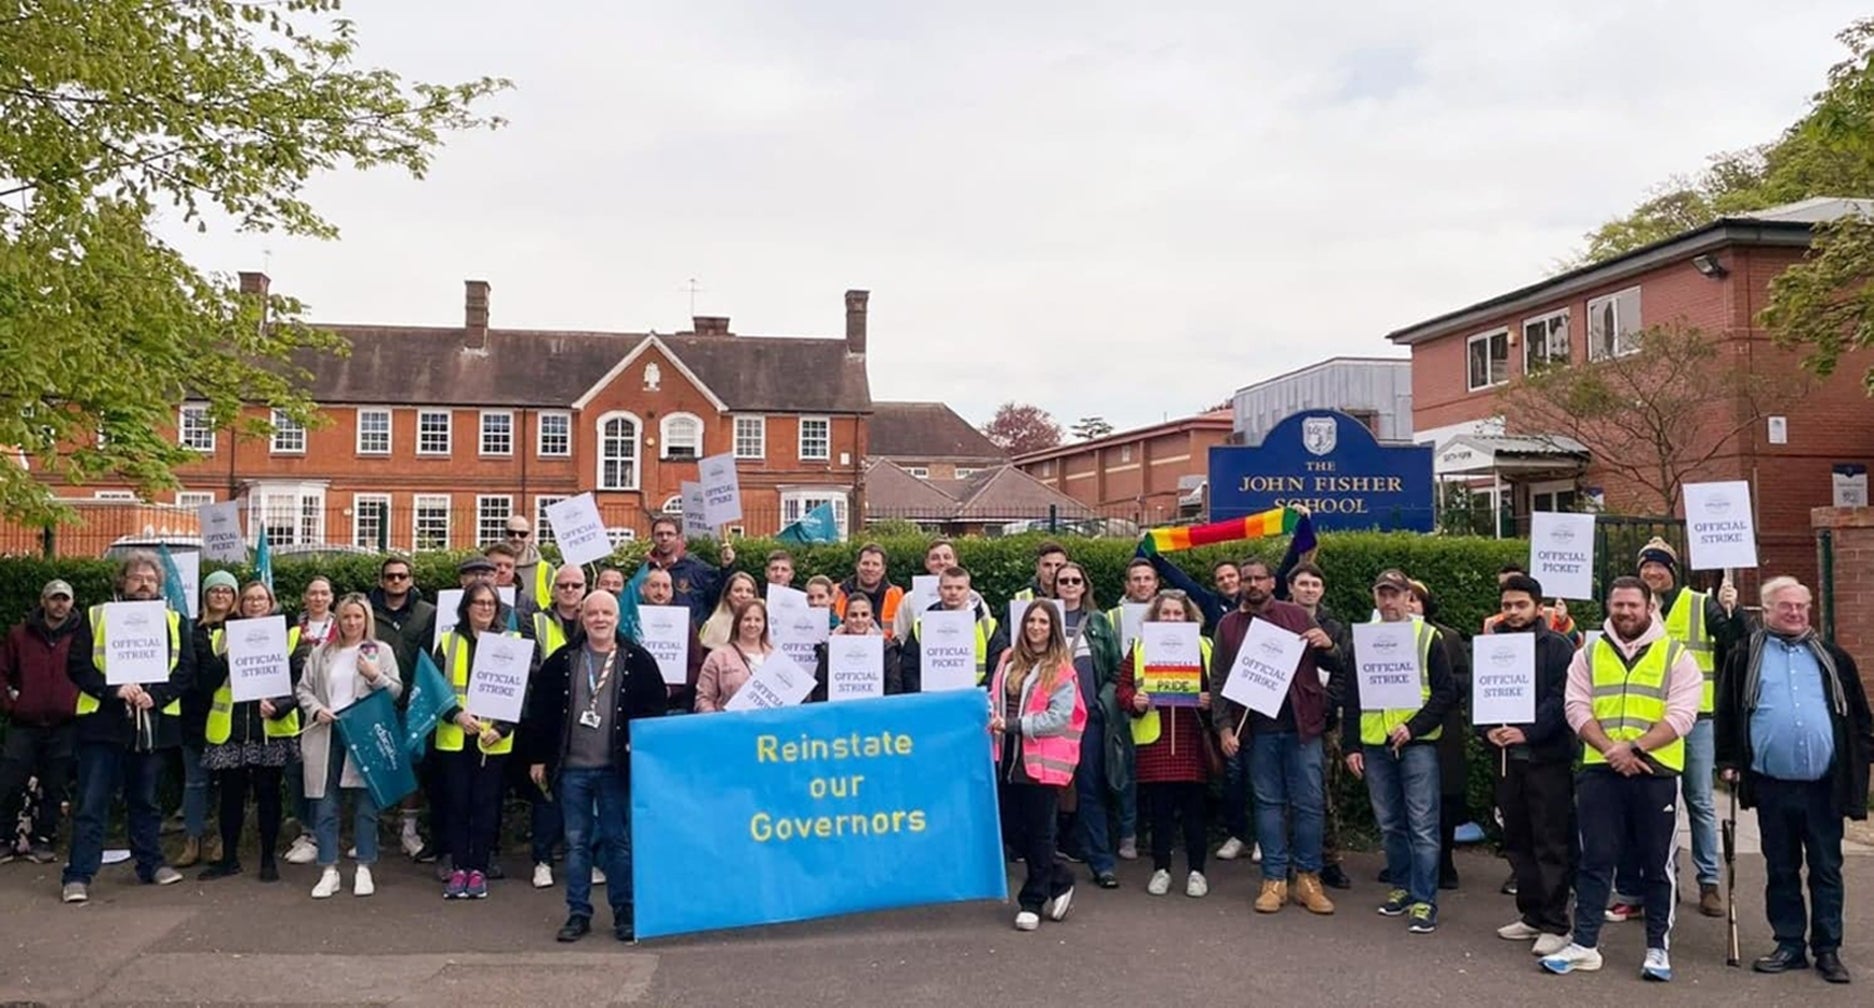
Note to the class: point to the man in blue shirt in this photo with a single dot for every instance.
(1794, 738)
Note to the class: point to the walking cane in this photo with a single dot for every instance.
(1731, 956)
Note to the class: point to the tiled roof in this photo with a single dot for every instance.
(918, 431)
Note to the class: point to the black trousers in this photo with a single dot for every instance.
(1631, 816)
(471, 784)
(264, 782)
(1538, 805)
(1028, 812)
(43, 753)
(1165, 805)
(1796, 824)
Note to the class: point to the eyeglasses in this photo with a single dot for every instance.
(478, 603)
(1069, 580)
(393, 576)
(569, 584)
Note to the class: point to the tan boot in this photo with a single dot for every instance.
(1274, 893)
(1308, 893)
(191, 853)
(211, 848)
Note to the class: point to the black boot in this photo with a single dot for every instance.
(220, 869)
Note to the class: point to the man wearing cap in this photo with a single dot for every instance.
(1707, 627)
(534, 577)
(482, 569)
(1398, 758)
(38, 700)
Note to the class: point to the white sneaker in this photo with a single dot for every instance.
(1027, 920)
(361, 884)
(303, 851)
(328, 884)
(411, 843)
(1573, 958)
(1549, 944)
(75, 892)
(1196, 886)
(598, 877)
(1255, 854)
(543, 876)
(1516, 930)
(1231, 850)
(1160, 883)
(1058, 907)
(1657, 966)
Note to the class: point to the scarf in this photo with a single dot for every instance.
(1273, 522)
(1753, 669)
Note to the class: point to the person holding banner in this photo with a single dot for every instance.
(470, 815)
(1534, 773)
(1036, 718)
(250, 743)
(218, 600)
(719, 628)
(954, 594)
(1398, 755)
(859, 623)
(1794, 738)
(1632, 697)
(124, 729)
(404, 620)
(729, 667)
(868, 579)
(1283, 750)
(577, 739)
(656, 590)
(1093, 644)
(1173, 766)
(344, 668)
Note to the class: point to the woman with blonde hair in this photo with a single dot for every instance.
(1173, 765)
(1036, 716)
(719, 628)
(729, 667)
(339, 672)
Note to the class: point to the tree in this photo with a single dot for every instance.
(1090, 427)
(216, 113)
(1731, 183)
(1657, 415)
(1018, 428)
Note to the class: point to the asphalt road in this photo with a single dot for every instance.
(238, 941)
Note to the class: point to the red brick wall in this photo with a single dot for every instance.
(1132, 477)
(1852, 590)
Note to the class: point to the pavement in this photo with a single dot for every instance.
(239, 941)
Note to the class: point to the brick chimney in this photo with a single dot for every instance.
(475, 314)
(855, 321)
(709, 325)
(255, 284)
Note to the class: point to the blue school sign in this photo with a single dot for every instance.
(757, 817)
(1331, 464)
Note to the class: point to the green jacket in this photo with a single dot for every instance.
(1103, 644)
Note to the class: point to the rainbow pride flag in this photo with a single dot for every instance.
(1275, 521)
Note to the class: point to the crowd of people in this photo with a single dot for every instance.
(1676, 688)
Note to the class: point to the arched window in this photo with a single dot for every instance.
(618, 451)
(682, 436)
(673, 505)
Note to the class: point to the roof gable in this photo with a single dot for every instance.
(624, 363)
(926, 430)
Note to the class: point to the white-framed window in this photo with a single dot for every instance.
(289, 436)
(619, 536)
(795, 504)
(965, 472)
(681, 435)
(751, 437)
(618, 451)
(1614, 324)
(194, 429)
(114, 495)
(491, 517)
(1545, 341)
(433, 432)
(921, 472)
(497, 432)
(673, 506)
(374, 432)
(1047, 468)
(370, 521)
(816, 439)
(194, 498)
(543, 529)
(292, 513)
(1487, 359)
(429, 526)
(553, 434)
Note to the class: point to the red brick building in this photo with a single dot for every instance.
(1715, 279)
(433, 436)
(1147, 475)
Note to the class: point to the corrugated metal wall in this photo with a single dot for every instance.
(1352, 386)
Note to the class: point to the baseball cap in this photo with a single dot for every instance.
(56, 587)
(1393, 577)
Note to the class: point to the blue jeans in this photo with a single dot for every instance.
(195, 782)
(1090, 784)
(325, 814)
(1286, 773)
(104, 769)
(595, 799)
(545, 824)
(1701, 814)
(1404, 789)
(1129, 812)
(1236, 795)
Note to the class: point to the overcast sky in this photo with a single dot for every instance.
(1123, 209)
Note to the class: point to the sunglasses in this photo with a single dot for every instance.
(394, 577)
(1070, 580)
(518, 534)
(569, 584)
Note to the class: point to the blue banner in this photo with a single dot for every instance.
(374, 739)
(779, 815)
(428, 695)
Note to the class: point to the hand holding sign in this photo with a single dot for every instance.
(778, 683)
(1503, 679)
(258, 666)
(498, 678)
(1561, 553)
(1387, 666)
(1265, 666)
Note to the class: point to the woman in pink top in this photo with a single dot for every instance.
(730, 666)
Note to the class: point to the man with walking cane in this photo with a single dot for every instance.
(1794, 738)
(1732, 956)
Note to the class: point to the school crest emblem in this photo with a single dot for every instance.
(1319, 434)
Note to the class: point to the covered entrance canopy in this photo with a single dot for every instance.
(1506, 459)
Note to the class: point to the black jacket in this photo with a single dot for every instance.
(1548, 738)
(111, 722)
(1429, 717)
(407, 630)
(911, 655)
(1854, 730)
(211, 673)
(548, 720)
(894, 671)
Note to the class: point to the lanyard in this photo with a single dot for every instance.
(595, 683)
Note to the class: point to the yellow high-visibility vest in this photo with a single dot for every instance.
(1376, 725)
(221, 706)
(88, 704)
(1686, 624)
(449, 735)
(1628, 702)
